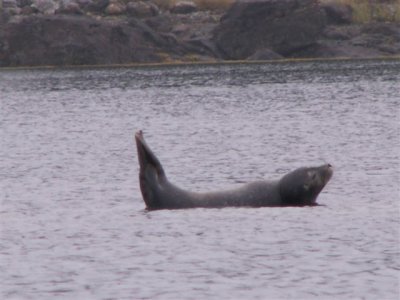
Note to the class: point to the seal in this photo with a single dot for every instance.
(297, 188)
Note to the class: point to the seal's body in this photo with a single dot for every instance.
(298, 188)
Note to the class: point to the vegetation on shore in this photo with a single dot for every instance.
(367, 11)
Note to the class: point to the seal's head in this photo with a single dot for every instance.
(302, 186)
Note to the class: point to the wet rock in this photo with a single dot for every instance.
(141, 9)
(183, 7)
(338, 13)
(284, 26)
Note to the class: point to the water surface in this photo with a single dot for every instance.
(73, 224)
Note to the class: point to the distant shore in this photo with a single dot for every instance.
(122, 32)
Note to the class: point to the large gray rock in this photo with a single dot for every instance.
(183, 7)
(75, 40)
(283, 26)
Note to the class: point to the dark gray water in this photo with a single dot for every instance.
(73, 224)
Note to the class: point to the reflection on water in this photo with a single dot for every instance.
(73, 223)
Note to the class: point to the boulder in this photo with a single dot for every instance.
(69, 8)
(283, 26)
(183, 7)
(76, 40)
(115, 8)
(47, 7)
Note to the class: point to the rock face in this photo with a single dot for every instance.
(283, 26)
(74, 40)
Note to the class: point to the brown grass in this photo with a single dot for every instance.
(366, 11)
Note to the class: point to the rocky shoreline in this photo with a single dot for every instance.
(88, 32)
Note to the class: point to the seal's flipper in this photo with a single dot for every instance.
(151, 172)
(146, 156)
